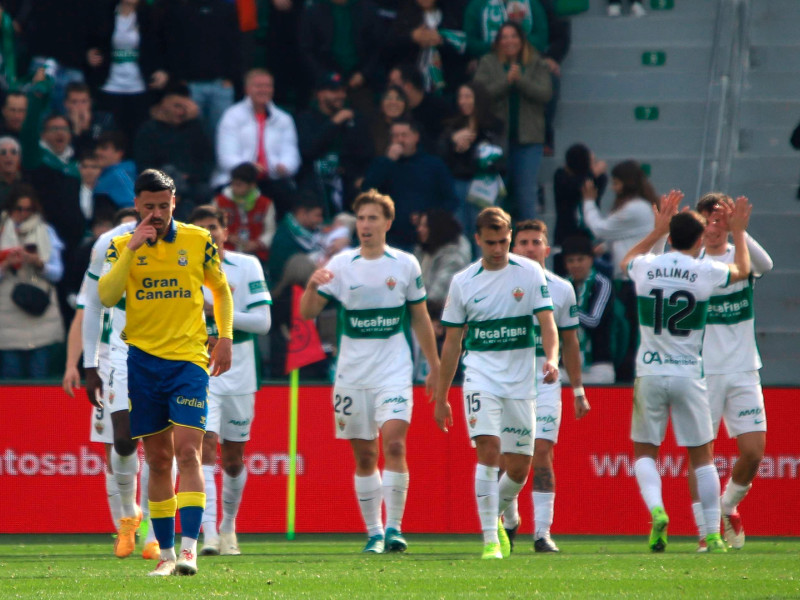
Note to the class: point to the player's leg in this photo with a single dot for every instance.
(211, 544)
(159, 452)
(125, 463)
(151, 550)
(701, 459)
(191, 496)
(237, 419)
(544, 494)
(112, 491)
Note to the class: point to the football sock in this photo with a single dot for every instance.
(487, 495)
(649, 482)
(210, 514)
(511, 515)
(507, 491)
(699, 518)
(125, 470)
(368, 491)
(395, 490)
(543, 513)
(733, 495)
(232, 490)
(708, 490)
(144, 481)
(190, 505)
(162, 519)
(114, 502)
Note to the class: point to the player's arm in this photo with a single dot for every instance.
(312, 302)
(669, 207)
(423, 329)
(256, 319)
(760, 260)
(72, 377)
(451, 353)
(111, 285)
(737, 222)
(222, 354)
(571, 355)
(547, 326)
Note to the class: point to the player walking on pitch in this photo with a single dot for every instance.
(231, 396)
(161, 267)
(530, 241)
(377, 286)
(496, 298)
(673, 291)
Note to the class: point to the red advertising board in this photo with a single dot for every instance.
(51, 476)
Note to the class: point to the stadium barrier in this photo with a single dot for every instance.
(51, 476)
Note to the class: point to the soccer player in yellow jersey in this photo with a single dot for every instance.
(161, 267)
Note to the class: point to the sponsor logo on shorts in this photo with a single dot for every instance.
(395, 400)
(193, 402)
(520, 431)
(99, 427)
(521, 445)
(751, 412)
(244, 423)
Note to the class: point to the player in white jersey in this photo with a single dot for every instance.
(530, 241)
(731, 362)
(673, 290)
(108, 380)
(378, 288)
(496, 298)
(231, 396)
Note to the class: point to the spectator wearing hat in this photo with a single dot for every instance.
(334, 145)
(595, 298)
(254, 130)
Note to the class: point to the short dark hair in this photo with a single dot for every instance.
(53, 117)
(411, 75)
(710, 202)
(532, 225)
(116, 139)
(16, 93)
(208, 211)
(306, 200)
(87, 154)
(76, 87)
(685, 229)
(494, 218)
(577, 244)
(123, 213)
(412, 124)
(23, 190)
(579, 160)
(246, 172)
(153, 180)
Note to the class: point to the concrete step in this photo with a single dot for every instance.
(774, 10)
(780, 354)
(662, 27)
(634, 140)
(754, 168)
(776, 27)
(772, 141)
(775, 58)
(594, 59)
(770, 113)
(775, 305)
(772, 197)
(772, 86)
(682, 8)
(649, 87)
(576, 112)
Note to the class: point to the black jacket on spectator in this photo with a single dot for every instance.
(415, 183)
(317, 37)
(559, 33)
(464, 165)
(186, 147)
(200, 39)
(59, 196)
(568, 194)
(431, 114)
(597, 322)
(57, 28)
(102, 121)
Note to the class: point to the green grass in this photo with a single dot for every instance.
(328, 566)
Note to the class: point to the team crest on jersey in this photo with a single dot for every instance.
(341, 424)
(99, 427)
(142, 261)
(472, 421)
(182, 258)
(111, 397)
(391, 282)
(518, 293)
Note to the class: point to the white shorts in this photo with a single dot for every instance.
(101, 428)
(737, 399)
(115, 394)
(231, 417)
(512, 420)
(359, 414)
(548, 412)
(684, 400)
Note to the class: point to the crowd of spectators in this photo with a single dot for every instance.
(280, 112)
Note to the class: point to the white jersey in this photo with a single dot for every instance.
(102, 352)
(565, 313)
(729, 345)
(672, 293)
(498, 308)
(249, 289)
(113, 320)
(375, 341)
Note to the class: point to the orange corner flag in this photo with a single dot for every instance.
(304, 345)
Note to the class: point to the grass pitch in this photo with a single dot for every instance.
(330, 566)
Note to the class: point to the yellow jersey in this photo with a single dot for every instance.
(163, 287)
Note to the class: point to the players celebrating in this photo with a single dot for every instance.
(378, 287)
(496, 298)
(673, 291)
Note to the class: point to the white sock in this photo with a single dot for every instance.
(543, 513)
(507, 491)
(114, 503)
(210, 513)
(232, 490)
(488, 497)
(125, 470)
(699, 519)
(395, 490)
(649, 482)
(708, 491)
(189, 544)
(511, 515)
(368, 491)
(169, 553)
(733, 495)
(144, 481)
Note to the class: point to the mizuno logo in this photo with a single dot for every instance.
(355, 287)
(476, 300)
